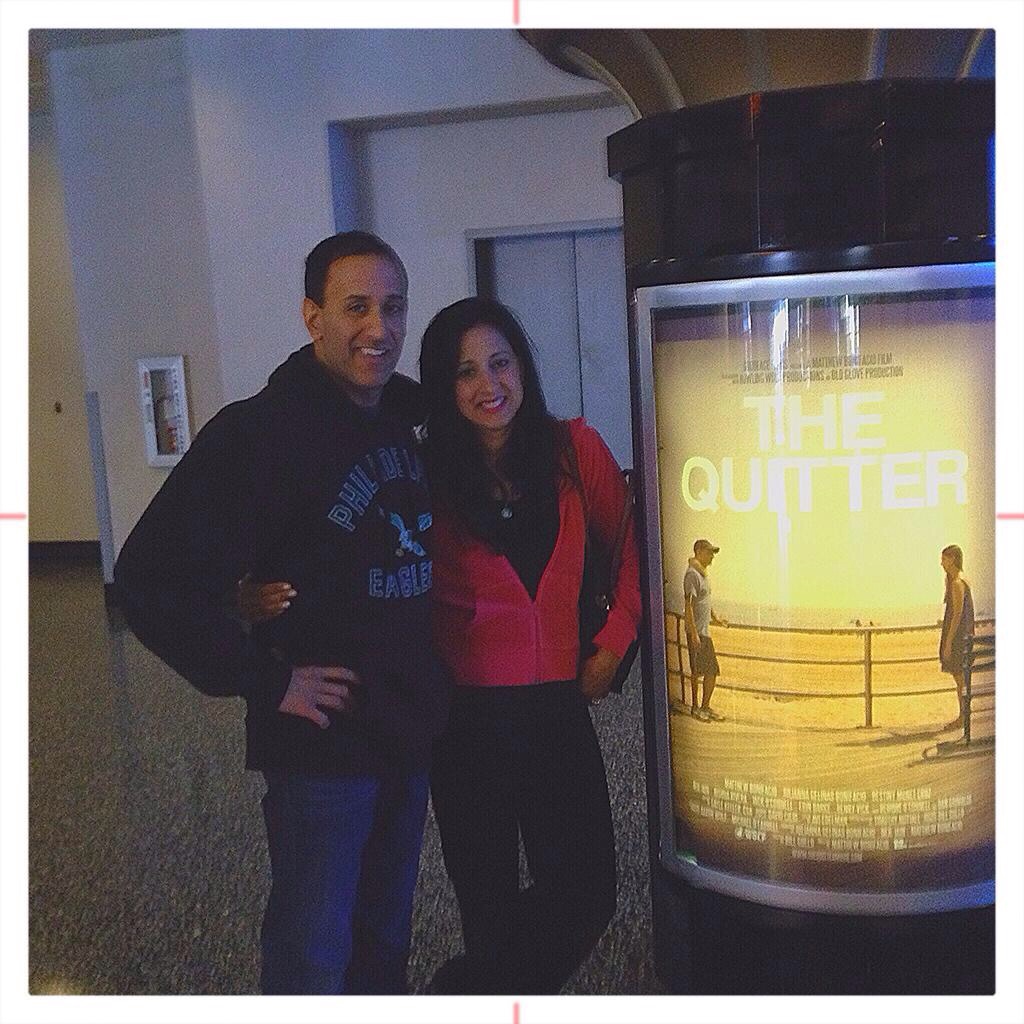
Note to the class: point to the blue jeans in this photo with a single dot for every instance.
(344, 852)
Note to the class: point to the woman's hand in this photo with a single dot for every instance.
(258, 602)
(597, 674)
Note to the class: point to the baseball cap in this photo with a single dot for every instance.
(703, 543)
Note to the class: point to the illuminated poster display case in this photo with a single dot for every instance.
(831, 434)
(811, 278)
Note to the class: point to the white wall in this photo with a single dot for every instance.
(262, 148)
(263, 100)
(430, 185)
(61, 506)
(138, 241)
(196, 175)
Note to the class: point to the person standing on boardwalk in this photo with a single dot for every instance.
(316, 480)
(957, 623)
(699, 616)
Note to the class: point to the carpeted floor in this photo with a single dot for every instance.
(148, 868)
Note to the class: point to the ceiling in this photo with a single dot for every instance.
(654, 70)
(42, 40)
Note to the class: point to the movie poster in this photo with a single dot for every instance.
(830, 449)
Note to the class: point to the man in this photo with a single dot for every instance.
(699, 616)
(315, 480)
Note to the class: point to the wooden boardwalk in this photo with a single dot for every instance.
(798, 789)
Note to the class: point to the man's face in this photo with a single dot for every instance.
(705, 556)
(359, 330)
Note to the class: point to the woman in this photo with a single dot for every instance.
(513, 490)
(512, 487)
(957, 623)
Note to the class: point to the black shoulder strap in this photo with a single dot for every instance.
(620, 535)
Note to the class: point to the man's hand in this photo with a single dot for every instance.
(313, 687)
(258, 602)
(692, 640)
(597, 674)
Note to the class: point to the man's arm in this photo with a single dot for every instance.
(691, 623)
(195, 540)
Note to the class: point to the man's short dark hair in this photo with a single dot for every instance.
(345, 243)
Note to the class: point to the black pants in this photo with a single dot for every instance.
(525, 759)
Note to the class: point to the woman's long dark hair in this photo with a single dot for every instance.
(533, 459)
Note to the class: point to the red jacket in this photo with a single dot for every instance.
(488, 631)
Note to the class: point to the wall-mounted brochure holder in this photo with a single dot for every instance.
(164, 409)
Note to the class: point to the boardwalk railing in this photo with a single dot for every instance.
(675, 635)
(979, 656)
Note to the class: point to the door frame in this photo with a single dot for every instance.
(475, 235)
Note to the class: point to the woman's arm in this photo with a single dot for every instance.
(606, 498)
(956, 600)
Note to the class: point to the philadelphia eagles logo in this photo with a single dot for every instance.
(405, 535)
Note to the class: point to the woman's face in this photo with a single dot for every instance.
(488, 384)
(948, 565)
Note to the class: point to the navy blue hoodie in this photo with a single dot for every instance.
(299, 484)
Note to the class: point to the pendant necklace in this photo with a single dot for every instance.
(509, 495)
